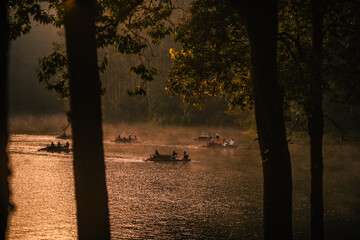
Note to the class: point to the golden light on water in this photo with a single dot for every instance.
(217, 195)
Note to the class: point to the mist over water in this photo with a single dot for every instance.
(38, 123)
(218, 195)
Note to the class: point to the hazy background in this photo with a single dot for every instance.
(27, 95)
(30, 101)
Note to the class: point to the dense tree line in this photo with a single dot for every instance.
(156, 106)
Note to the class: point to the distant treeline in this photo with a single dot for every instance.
(157, 106)
(161, 108)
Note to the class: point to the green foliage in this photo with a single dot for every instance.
(157, 106)
(340, 60)
(213, 60)
(54, 66)
(122, 24)
(138, 90)
(22, 12)
(53, 72)
(343, 51)
(145, 74)
(104, 64)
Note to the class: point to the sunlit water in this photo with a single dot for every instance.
(218, 195)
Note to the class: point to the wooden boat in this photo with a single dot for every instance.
(166, 158)
(55, 149)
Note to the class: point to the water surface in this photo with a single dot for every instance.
(218, 195)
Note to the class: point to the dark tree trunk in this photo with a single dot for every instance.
(261, 26)
(89, 166)
(4, 170)
(315, 127)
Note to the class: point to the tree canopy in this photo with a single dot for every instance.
(213, 59)
(131, 27)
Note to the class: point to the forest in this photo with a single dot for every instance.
(276, 66)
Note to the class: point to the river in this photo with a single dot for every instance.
(218, 195)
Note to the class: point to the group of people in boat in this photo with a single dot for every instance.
(174, 155)
(217, 136)
(231, 143)
(216, 140)
(60, 146)
(224, 142)
(129, 138)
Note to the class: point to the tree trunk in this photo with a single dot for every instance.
(315, 127)
(262, 23)
(4, 170)
(89, 166)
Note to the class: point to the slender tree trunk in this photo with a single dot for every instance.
(315, 127)
(4, 170)
(89, 166)
(261, 26)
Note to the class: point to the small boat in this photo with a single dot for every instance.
(166, 158)
(123, 140)
(55, 149)
(220, 145)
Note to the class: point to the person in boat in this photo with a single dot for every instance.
(224, 142)
(135, 138)
(217, 137)
(52, 145)
(129, 137)
(156, 153)
(232, 142)
(59, 145)
(118, 137)
(185, 156)
(174, 154)
(67, 145)
(209, 136)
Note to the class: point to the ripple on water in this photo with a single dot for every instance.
(218, 195)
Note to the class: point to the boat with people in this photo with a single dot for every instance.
(207, 137)
(128, 139)
(222, 143)
(156, 157)
(57, 148)
(122, 140)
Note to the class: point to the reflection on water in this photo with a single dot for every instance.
(42, 190)
(218, 195)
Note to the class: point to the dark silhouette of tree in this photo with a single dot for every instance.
(214, 60)
(4, 170)
(261, 24)
(84, 86)
(314, 57)
(315, 117)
